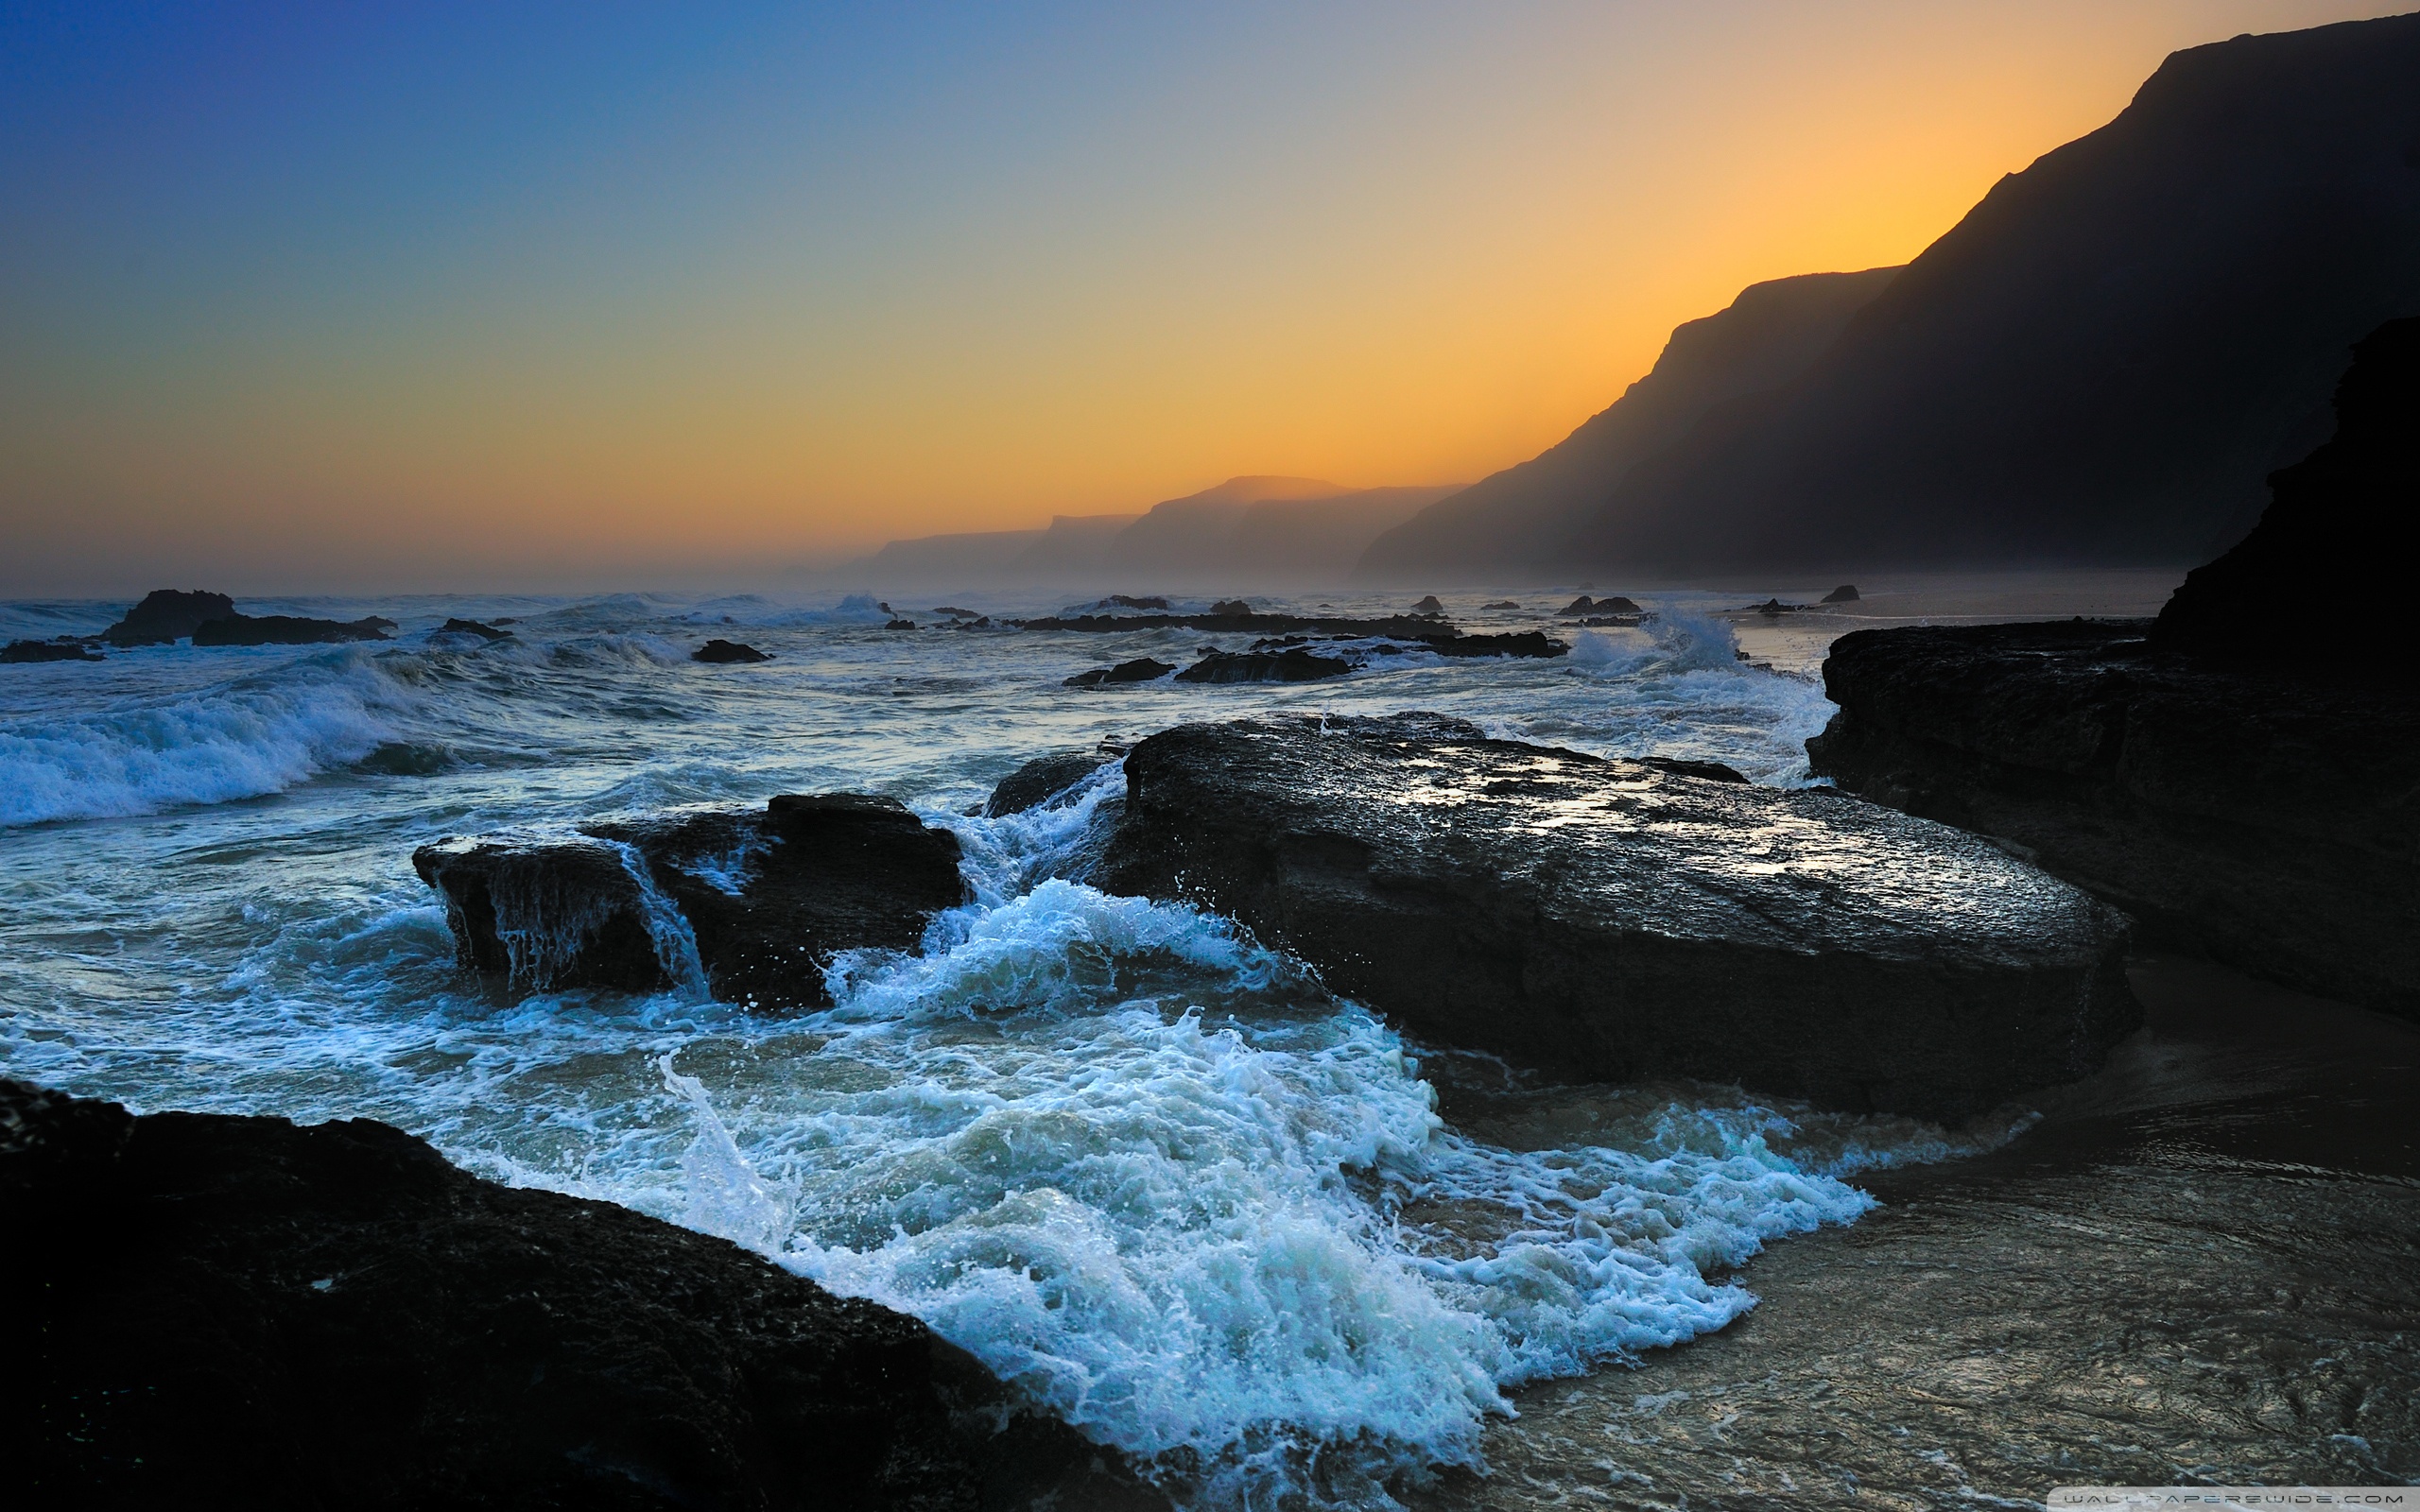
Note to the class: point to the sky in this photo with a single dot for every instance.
(348, 298)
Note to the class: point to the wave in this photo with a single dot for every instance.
(247, 738)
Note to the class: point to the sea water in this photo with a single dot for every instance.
(1148, 1170)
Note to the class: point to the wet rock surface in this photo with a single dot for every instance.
(1039, 781)
(166, 615)
(2268, 815)
(1294, 664)
(238, 1311)
(720, 652)
(2200, 1268)
(1142, 669)
(750, 906)
(1605, 920)
(463, 626)
(289, 630)
(47, 652)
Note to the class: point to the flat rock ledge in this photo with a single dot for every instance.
(752, 906)
(2265, 815)
(239, 1311)
(1608, 921)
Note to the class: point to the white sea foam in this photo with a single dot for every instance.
(244, 738)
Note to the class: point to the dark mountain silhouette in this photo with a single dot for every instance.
(1768, 335)
(2099, 365)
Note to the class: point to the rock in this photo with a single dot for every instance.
(1845, 593)
(756, 903)
(485, 632)
(212, 1311)
(723, 653)
(954, 612)
(2321, 544)
(1528, 643)
(1234, 608)
(1142, 669)
(1430, 606)
(168, 615)
(1041, 784)
(1615, 604)
(1772, 606)
(1405, 627)
(900, 624)
(2259, 813)
(1502, 603)
(1706, 771)
(47, 652)
(1293, 665)
(1607, 920)
(287, 629)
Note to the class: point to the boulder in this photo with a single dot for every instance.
(212, 1311)
(750, 905)
(1606, 920)
(1294, 664)
(723, 653)
(47, 652)
(1502, 603)
(2260, 813)
(168, 615)
(900, 624)
(1845, 593)
(1615, 604)
(1228, 607)
(287, 629)
(1430, 606)
(1142, 669)
(1525, 643)
(485, 632)
(1044, 782)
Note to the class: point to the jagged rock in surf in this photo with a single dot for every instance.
(1608, 921)
(900, 624)
(1678, 766)
(724, 653)
(166, 615)
(1232, 608)
(1522, 644)
(1142, 669)
(1502, 603)
(1043, 781)
(47, 652)
(289, 630)
(1293, 665)
(1615, 604)
(2257, 811)
(1845, 593)
(212, 1311)
(462, 627)
(1430, 606)
(752, 906)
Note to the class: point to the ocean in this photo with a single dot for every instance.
(1148, 1170)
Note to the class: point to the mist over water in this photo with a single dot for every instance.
(1149, 1171)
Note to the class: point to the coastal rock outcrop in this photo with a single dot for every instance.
(47, 652)
(1043, 781)
(1609, 920)
(726, 653)
(168, 615)
(1292, 664)
(750, 906)
(463, 626)
(212, 1311)
(1142, 669)
(289, 630)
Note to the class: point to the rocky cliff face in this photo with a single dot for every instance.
(238, 1311)
(1609, 920)
(1521, 516)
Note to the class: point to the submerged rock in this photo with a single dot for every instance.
(1142, 669)
(1294, 664)
(1043, 781)
(750, 906)
(47, 652)
(289, 630)
(211, 1311)
(1607, 920)
(168, 615)
(723, 653)
(485, 632)
(1502, 603)
(2259, 814)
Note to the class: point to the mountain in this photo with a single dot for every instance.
(1245, 532)
(2099, 365)
(1770, 334)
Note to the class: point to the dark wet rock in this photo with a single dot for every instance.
(759, 903)
(166, 615)
(47, 652)
(1706, 771)
(724, 653)
(1430, 606)
(289, 630)
(1845, 593)
(1502, 603)
(485, 632)
(1142, 669)
(1615, 604)
(981, 622)
(210, 1310)
(900, 624)
(1044, 782)
(1234, 607)
(2310, 582)
(954, 612)
(1772, 606)
(2262, 814)
(1605, 920)
(1296, 664)
(1407, 627)
(1525, 643)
